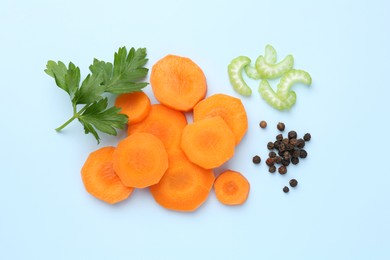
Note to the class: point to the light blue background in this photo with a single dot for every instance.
(340, 209)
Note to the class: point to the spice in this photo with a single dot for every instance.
(286, 141)
(279, 137)
(296, 153)
(281, 126)
(302, 154)
(301, 143)
(292, 134)
(286, 162)
(278, 159)
(307, 137)
(270, 161)
(272, 154)
(293, 182)
(286, 155)
(294, 160)
(270, 145)
(293, 141)
(286, 189)
(256, 159)
(272, 169)
(263, 124)
(282, 169)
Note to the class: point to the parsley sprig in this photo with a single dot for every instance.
(123, 76)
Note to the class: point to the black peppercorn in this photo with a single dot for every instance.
(277, 144)
(286, 141)
(286, 189)
(301, 143)
(272, 154)
(290, 147)
(282, 169)
(307, 137)
(292, 134)
(293, 182)
(270, 145)
(281, 126)
(293, 142)
(256, 159)
(272, 169)
(270, 161)
(263, 124)
(282, 147)
(296, 153)
(278, 159)
(303, 154)
(286, 162)
(294, 160)
(286, 155)
(279, 137)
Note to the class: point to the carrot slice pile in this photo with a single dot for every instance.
(178, 82)
(140, 160)
(185, 186)
(208, 143)
(229, 108)
(135, 105)
(231, 188)
(165, 123)
(100, 179)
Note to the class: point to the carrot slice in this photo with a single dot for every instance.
(100, 179)
(165, 123)
(178, 82)
(231, 188)
(184, 186)
(140, 160)
(229, 108)
(208, 143)
(135, 105)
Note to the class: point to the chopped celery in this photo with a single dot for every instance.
(289, 79)
(235, 75)
(269, 95)
(270, 54)
(271, 71)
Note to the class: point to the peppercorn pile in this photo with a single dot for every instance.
(284, 151)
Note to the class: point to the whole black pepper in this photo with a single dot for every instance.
(278, 159)
(302, 154)
(282, 169)
(280, 153)
(270, 161)
(263, 124)
(292, 134)
(286, 162)
(293, 182)
(256, 159)
(295, 160)
(272, 154)
(307, 137)
(272, 169)
(293, 142)
(286, 189)
(270, 145)
(301, 143)
(296, 153)
(281, 126)
(282, 147)
(279, 137)
(277, 144)
(286, 155)
(290, 147)
(286, 141)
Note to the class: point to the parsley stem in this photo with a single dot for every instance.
(66, 123)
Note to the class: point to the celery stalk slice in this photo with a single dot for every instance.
(269, 95)
(289, 79)
(235, 75)
(271, 71)
(270, 54)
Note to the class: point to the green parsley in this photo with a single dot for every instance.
(124, 76)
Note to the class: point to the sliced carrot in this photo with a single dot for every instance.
(208, 143)
(231, 188)
(184, 186)
(229, 108)
(140, 160)
(135, 105)
(100, 179)
(163, 122)
(178, 82)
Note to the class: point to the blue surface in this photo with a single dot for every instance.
(340, 209)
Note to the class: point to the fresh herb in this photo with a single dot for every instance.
(123, 76)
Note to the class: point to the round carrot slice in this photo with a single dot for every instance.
(135, 105)
(184, 186)
(100, 179)
(231, 188)
(229, 108)
(208, 143)
(140, 160)
(163, 122)
(178, 82)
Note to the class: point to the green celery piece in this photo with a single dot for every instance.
(269, 95)
(270, 54)
(289, 79)
(270, 57)
(272, 71)
(235, 75)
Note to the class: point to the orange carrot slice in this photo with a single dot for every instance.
(178, 82)
(140, 160)
(231, 188)
(184, 186)
(100, 179)
(135, 105)
(208, 143)
(165, 123)
(229, 108)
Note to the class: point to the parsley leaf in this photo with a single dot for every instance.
(121, 76)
